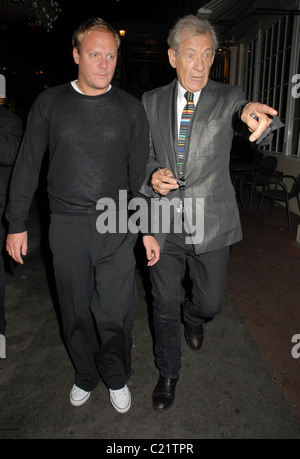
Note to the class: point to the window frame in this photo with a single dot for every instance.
(271, 61)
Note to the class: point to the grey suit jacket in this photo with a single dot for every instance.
(209, 197)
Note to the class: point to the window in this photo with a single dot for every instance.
(250, 73)
(295, 110)
(268, 79)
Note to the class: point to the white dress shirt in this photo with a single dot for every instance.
(181, 102)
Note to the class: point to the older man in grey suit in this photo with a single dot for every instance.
(189, 167)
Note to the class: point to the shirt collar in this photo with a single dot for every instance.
(182, 91)
(73, 83)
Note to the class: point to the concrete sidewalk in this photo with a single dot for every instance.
(225, 391)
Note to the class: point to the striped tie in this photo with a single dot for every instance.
(186, 117)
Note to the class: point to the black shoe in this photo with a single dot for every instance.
(164, 393)
(194, 336)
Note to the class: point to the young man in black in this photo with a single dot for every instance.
(98, 142)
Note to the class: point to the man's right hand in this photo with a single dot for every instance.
(163, 182)
(16, 246)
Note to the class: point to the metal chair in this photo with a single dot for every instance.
(281, 195)
(260, 177)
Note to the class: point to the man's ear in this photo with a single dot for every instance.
(76, 55)
(172, 57)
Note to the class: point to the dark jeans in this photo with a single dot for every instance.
(95, 278)
(208, 275)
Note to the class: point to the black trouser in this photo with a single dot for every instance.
(208, 275)
(2, 276)
(95, 278)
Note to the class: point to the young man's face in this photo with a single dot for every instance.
(193, 61)
(96, 61)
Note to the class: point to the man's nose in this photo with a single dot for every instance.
(103, 62)
(199, 63)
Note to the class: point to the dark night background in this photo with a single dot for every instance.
(32, 58)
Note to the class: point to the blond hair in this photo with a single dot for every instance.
(93, 24)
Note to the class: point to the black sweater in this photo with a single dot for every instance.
(97, 146)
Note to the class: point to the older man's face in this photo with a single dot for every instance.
(193, 61)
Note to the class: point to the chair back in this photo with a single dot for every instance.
(257, 158)
(266, 168)
(295, 191)
(268, 162)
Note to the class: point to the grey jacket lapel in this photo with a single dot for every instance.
(205, 107)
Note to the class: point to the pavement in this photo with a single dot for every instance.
(227, 390)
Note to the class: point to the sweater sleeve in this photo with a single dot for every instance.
(28, 164)
(139, 152)
(152, 164)
(140, 149)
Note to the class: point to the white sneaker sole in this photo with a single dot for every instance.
(120, 410)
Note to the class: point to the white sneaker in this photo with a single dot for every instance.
(2, 347)
(78, 396)
(120, 399)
